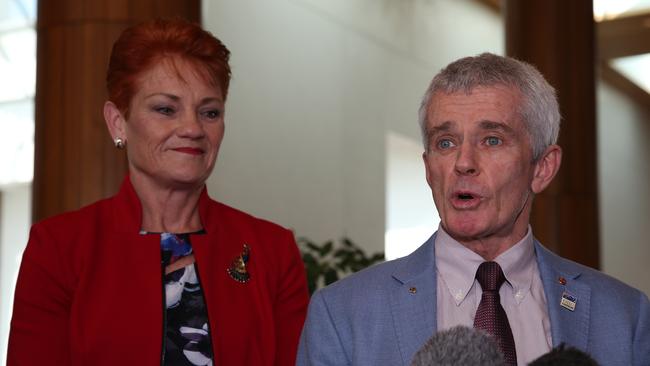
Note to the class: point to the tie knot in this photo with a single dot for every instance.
(490, 276)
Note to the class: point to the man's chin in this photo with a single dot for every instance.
(464, 231)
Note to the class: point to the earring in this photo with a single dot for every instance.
(119, 143)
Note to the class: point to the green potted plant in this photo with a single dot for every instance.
(328, 262)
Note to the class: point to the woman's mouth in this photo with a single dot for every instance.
(189, 150)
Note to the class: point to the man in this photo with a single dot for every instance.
(490, 126)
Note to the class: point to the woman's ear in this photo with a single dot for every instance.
(115, 121)
(546, 167)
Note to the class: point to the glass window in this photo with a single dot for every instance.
(17, 86)
(18, 75)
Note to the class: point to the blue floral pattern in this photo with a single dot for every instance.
(187, 334)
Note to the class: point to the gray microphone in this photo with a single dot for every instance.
(459, 346)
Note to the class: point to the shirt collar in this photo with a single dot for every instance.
(457, 265)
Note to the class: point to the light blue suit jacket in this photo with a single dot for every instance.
(374, 318)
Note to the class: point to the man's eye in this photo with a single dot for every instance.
(493, 141)
(165, 110)
(445, 144)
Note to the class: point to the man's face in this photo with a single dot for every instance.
(479, 164)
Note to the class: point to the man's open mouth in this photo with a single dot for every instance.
(466, 200)
(465, 196)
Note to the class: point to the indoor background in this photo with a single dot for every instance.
(321, 121)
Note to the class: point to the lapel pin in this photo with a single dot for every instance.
(237, 269)
(413, 290)
(561, 280)
(568, 301)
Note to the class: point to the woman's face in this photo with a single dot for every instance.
(175, 126)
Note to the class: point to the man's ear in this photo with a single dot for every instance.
(546, 167)
(426, 168)
(114, 121)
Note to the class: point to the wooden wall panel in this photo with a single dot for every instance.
(557, 37)
(625, 36)
(75, 161)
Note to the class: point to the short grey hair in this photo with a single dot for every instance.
(539, 109)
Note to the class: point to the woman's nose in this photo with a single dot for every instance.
(191, 127)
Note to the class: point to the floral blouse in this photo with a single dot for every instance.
(187, 334)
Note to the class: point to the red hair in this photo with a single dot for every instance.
(139, 47)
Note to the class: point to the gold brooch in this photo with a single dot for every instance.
(237, 269)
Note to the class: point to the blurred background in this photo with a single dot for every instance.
(321, 119)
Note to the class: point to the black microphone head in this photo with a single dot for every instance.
(459, 346)
(564, 356)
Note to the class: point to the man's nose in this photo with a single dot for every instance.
(466, 160)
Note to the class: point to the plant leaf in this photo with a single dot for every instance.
(331, 276)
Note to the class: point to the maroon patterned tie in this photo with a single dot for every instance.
(490, 315)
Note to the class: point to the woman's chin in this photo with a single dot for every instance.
(175, 180)
(197, 180)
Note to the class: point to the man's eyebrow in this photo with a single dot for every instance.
(496, 126)
(444, 127)
(431, 132)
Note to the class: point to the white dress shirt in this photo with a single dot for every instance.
(522, 295)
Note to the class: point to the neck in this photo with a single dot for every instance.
(168, 208)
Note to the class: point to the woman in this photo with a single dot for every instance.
(161, 273)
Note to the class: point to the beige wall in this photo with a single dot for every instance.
(317, 86)
(15, 213)
(624, 178)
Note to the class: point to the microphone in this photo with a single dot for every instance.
(564, 356)
(459, 345)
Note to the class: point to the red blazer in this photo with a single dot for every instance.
(90, 288)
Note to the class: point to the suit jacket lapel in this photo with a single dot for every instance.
(413, 300)
(561, 277)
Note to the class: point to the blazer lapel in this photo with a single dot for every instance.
(561, 282)
(413, 300)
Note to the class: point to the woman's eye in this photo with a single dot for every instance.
(165, 110)
(213, 114)
(492, 141)
(445, 144)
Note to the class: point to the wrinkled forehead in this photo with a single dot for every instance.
(175, 67)
(496, 104)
